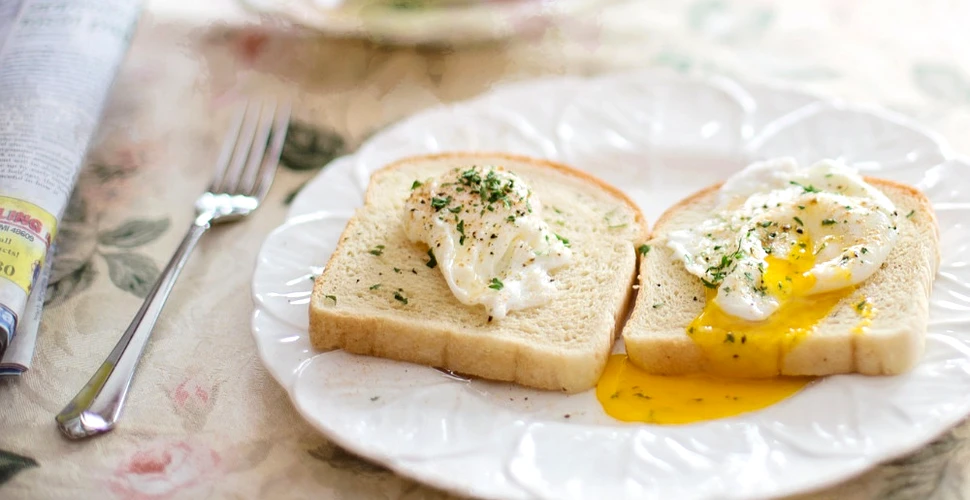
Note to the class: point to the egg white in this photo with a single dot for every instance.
(498, 254)
(771, 207)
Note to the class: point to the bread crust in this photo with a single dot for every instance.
(563, 169)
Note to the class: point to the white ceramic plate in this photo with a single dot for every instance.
(465, 22)
(659, 138)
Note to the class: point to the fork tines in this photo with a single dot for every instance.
(251, 151)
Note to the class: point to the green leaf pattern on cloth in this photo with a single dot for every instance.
(77, 245)
(131, 272)
(12, 463)
(133, 233)
(74, 282)
(309, 147)
(921, 475)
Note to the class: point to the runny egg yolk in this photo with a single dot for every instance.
(630, 394)
(756, 349)
(751, 353)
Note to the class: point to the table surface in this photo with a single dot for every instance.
(205, 419)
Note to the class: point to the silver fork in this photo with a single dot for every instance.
(245, 170)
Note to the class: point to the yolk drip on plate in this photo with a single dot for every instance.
(630, 394)
(750, 352)
(756, 349)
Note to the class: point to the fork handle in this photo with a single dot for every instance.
(97, 407)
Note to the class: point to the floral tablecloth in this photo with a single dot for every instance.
(205, 419)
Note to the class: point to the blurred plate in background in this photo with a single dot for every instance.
(437, 22)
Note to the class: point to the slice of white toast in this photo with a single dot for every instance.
(378, 296)
(656, 337)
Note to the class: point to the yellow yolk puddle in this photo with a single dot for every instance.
(629, 394)
(756, 349)
(750, 352)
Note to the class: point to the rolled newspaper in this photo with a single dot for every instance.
(58, 59)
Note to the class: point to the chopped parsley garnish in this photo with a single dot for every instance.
(658, 305)
(400, 298)
(432, 262)
(491, 188)
(455, 210)
(801, 207)
(378, 250)
(439, 203)
(864, 250)
(415, 185)
(808, 189)
(496, 284)
(799, 221)
(828, 222)
(719, 271)
(861, 305)
(397, 270)
(375, 286)
(749, 276)
(643, 249)
(910, 214)
(729, 337)
(461, 231)
(510, 218)
(765, 223)
(563, 240)
(331, 297)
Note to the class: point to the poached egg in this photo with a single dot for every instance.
(779, 232)
(485, 232)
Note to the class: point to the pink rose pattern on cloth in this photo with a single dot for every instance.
(166, 470)
(194, 399)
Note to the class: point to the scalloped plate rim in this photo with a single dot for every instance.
(867, 462)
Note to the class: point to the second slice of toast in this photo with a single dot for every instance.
(657, 341)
